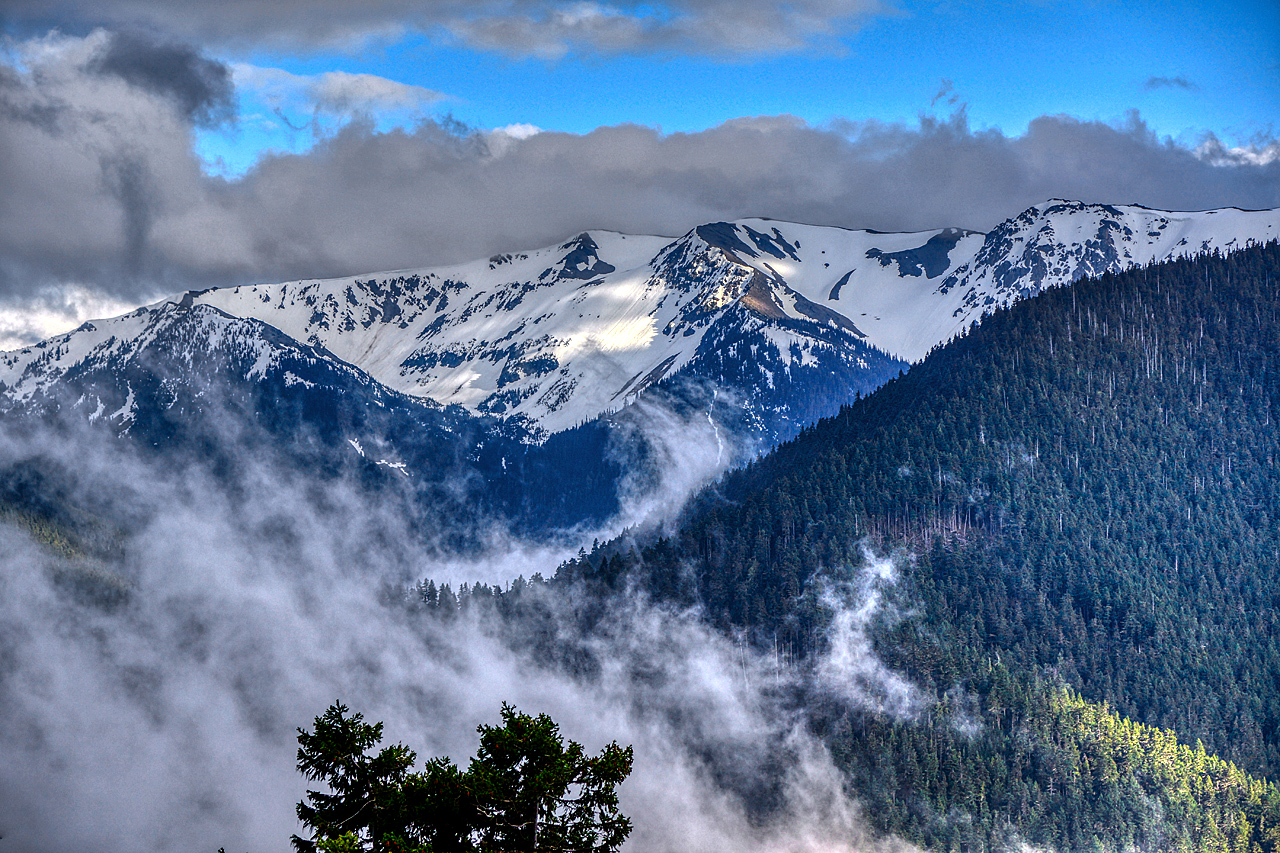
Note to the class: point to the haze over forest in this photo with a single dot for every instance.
(860, 409)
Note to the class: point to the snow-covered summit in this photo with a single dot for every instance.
(562, 334)
(176, 346)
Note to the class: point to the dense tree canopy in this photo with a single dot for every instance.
(1084, 490)
(525, 791)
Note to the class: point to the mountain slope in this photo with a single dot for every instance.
(1113, 443)
(1086, 486)
(198, 386)
(559, 335)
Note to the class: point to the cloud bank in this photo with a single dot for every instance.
(102, 188)
(543, 28)
(164, 719)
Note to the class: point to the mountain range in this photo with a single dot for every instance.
(1069, 498)
(464, 373)
(561, 335)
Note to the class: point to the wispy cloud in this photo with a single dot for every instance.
(1178, 82)
(169, 723)
(946, 94)
(544, 28)
(332, 92)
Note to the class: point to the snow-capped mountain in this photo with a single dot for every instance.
(162, 371)
(562, 334)
(173, 340)
(771, 313)
(198, 385)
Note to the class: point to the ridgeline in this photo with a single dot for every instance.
(1082, 492)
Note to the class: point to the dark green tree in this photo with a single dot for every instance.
(535, 793)
(367, 796)
(525, 791)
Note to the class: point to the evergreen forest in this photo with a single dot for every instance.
(1082, 493)
(1080, 499)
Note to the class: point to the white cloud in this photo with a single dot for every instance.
(518, 131)
(1212, 150)
(26, 320)
(332, 92)
(500, 140)
(544, 28)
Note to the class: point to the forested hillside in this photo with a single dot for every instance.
(1083, 492)
(1078, 496)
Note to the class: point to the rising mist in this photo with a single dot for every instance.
(156, 661)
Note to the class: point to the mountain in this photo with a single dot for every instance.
(195, 385)
(519, 375)
(787, 320)
(1082, 493)
(558, 336)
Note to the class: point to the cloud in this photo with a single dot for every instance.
(201, 87)
(946, 93)
(1178, 82)
(1262, 153)
(714, 27)
(103, 189)
(850, 669)
(545, 28)
(332, 92)
(98, 150)
(342, 92)
(25, 321)
(520, 130)
(166, 721)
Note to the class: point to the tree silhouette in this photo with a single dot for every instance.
(526, 790)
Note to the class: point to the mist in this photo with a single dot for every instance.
(153, 673)
(665, 454)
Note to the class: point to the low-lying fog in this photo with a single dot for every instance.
(151, 691)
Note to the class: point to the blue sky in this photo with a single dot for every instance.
(152, 146)
(1186, 67)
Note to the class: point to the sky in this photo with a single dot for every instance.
(151, 147)
(1006, 64)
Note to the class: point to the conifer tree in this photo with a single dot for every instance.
(526, 790)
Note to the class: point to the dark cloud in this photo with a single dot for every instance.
(548, 28)
(1178, 82)
(104, 190)
(16, 108)
(126, 180)
(201, 87)
(946, 93)
(92, 165)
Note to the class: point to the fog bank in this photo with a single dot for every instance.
(150, 690)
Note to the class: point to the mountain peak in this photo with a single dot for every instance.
(581, 261)
(556, 334)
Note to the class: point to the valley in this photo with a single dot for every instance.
(1019, 592)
